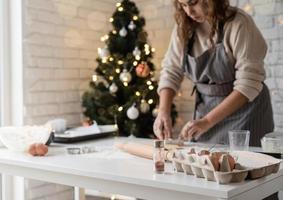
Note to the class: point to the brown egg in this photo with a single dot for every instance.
(32, 150)
(215, 162)
(217, 155)
(41, 149)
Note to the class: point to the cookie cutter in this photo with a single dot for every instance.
(80, 150)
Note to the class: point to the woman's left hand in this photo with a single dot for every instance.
(195, 128)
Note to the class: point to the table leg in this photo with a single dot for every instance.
(79, 193)
(12, 187)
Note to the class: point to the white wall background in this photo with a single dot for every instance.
(60, 42)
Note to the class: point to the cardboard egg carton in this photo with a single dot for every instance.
(224, 167)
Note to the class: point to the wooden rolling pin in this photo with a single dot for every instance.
(142, 150)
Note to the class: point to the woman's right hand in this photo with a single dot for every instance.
(162, 126)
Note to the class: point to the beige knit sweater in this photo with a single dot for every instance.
(243, 44)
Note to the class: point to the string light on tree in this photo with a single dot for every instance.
(135, 17)
(111, 19)
(146, 49)
(118, 70)
(118, 4)
(138, 93)
(120, 9)
(114, 32)
(150, 101)
(104, 38)
(94, 78)
(150, 87)
(120, 109)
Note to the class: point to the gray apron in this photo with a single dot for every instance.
(213, 75)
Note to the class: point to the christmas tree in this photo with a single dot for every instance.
(123, 89)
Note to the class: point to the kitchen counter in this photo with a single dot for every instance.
(112, 171)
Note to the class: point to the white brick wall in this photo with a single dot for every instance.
(60, 42)
(61, 38)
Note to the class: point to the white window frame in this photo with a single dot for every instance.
(11, 70)
(11, 83)
(4, 59)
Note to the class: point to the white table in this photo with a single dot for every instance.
(119, 173)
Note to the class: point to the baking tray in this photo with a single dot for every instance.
(105, 131)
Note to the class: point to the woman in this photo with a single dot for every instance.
(221, 50)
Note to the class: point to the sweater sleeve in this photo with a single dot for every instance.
(249, 50)
(171, 74)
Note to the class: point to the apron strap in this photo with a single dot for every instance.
(220, 32)
(187, 47)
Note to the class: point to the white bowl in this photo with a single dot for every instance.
(20, 138)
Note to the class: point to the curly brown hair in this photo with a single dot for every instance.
(217, 12)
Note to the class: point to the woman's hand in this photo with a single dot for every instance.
(194, 129)
(162, 126)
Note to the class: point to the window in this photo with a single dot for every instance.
(1, 59)
(4, 63)
(11, 86)
(11, 66)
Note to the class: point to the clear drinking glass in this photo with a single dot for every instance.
(239, 140)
